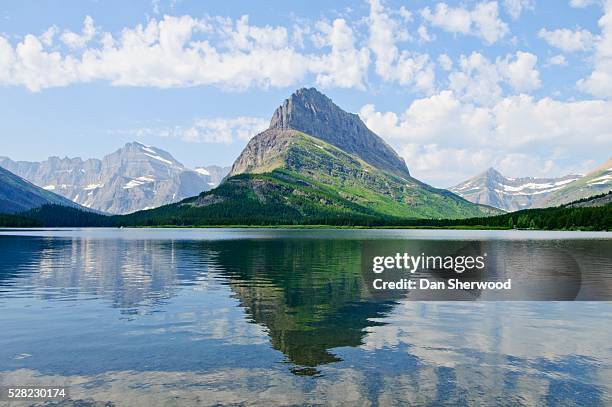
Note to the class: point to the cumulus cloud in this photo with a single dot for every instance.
(184, 51)
(520, 72)
(48, 36)
(482, 21)
(424, 34)
(599, 82)
(568, 40)
(407, 68)
(558, 60)
(516, 7)
(445, 62)
(29, 64)
(74, 40)
(208, 130)
(345, 66)
(479, 80)
(445, 140)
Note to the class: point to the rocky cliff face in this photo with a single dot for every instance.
(132, 178)
(310, 112)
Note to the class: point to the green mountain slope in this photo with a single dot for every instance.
(310, 181)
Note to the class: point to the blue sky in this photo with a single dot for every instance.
(455, 87)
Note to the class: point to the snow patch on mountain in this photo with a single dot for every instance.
(93, 186)
(138, 182)
(159, 158)
(202, 171)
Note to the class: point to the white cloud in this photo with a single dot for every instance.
(482, 21)
(345, 66)
(479, 80)
(454, 20)
(242, 36)
(521, 73)
(445, 140)
(445, 62)
(476, 79)
(184, 51)
(48, 36)
(155, 5)
(558, 60)
(424, 35)
(599, 82)
(516, 7)
(581, 3)
(208, 130)
(29, 64)
(226, 131)
(568, 40)
(391, 64)
(382, 38)
(487, 22)
(405, 14)
(74, 40)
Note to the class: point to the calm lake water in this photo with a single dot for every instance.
(283, 317)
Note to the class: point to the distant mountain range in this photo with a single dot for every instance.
(19, 195)
(512, 194)
(316, 163)
(135, 177)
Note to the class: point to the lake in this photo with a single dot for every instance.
(147, 317)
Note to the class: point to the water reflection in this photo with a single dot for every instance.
(282, 321)
(307, 293)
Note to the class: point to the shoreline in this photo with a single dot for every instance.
(302, 227)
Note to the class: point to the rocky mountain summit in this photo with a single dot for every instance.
(310, 112)
(134, 177)
(511, 194)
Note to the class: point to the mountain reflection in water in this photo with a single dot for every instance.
(214, 312)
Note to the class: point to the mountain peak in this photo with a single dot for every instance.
(303, 104)
(135, 145)
(492, 172)
(156, 155)
(311, 112)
